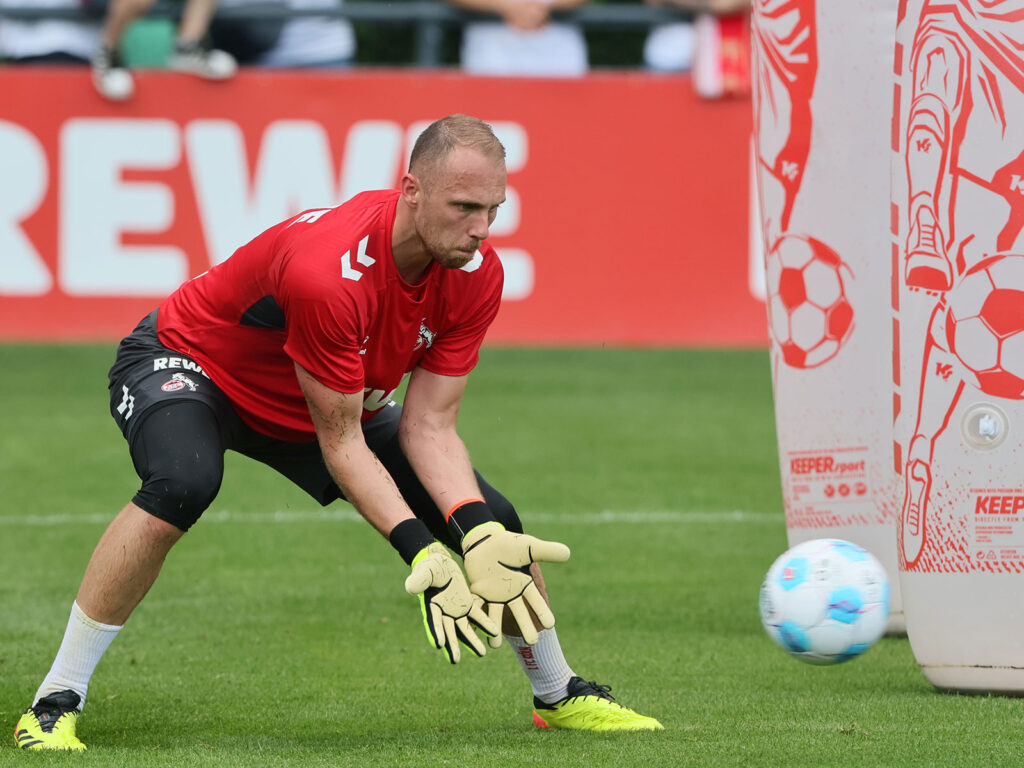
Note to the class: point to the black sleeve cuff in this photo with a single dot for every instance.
(409, 537)
(468, 516)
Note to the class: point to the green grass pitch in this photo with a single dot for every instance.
(279, 633)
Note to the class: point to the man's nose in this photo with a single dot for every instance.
(479, 225)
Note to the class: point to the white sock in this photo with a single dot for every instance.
(85, 641)
(544, 665)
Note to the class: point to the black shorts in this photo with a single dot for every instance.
(178, 451)
(146, 374)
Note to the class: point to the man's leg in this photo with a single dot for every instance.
(179, 456)
(125, 564)
(543, 662)
(122, 569)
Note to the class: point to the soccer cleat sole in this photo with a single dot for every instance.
(629, 723)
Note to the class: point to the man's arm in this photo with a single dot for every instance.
(362, 478)
(428, 436)
(446, 602)
(497, 561)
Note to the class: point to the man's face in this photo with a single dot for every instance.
(458, 202)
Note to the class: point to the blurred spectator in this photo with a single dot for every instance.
(669, 47)
(50, 41)
(715, 46)
(303, 41)
(721, 67)
(109, 73)
(525, 41)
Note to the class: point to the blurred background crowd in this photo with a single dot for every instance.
(549, 38)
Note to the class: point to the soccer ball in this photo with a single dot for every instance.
(825, 601)
(985, 325)
(808, 313)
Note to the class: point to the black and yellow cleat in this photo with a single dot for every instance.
(50, 723)
(590, 707)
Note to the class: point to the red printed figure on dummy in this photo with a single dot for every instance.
(809, 314)
(963, 218)
(787, 65)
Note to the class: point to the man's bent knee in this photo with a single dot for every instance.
(178, 500)
(179, 455)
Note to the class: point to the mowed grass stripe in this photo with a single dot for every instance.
(351, 516)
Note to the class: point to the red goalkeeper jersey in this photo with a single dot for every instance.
(322, 290)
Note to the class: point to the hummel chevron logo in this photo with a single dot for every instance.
(347, 270)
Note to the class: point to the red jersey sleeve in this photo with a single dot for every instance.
(456, 352)
(324, 323)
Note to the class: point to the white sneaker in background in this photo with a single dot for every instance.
(110, 76)
(213, 64)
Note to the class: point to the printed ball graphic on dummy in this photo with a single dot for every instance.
(985, 325)
(809, 315)
(825, 601)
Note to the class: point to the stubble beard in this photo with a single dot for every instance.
(451, 258)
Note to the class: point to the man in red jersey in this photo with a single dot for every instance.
(289, 352)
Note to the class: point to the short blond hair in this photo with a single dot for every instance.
(442, 136)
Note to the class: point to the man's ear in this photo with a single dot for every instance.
(411, 189)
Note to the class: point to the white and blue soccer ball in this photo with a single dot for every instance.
(825, 601)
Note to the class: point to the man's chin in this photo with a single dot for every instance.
(456, 259)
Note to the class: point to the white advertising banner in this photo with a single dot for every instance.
(822, 110)
(958, 211)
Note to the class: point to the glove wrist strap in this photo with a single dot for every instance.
(409, 537)
(467, 515)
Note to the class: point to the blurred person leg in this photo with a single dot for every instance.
(109, 73)
(189, 54)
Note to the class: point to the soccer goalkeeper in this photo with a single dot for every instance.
(289, 352)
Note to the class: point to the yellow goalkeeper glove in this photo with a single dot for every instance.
(498, 569)
(446, 603)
